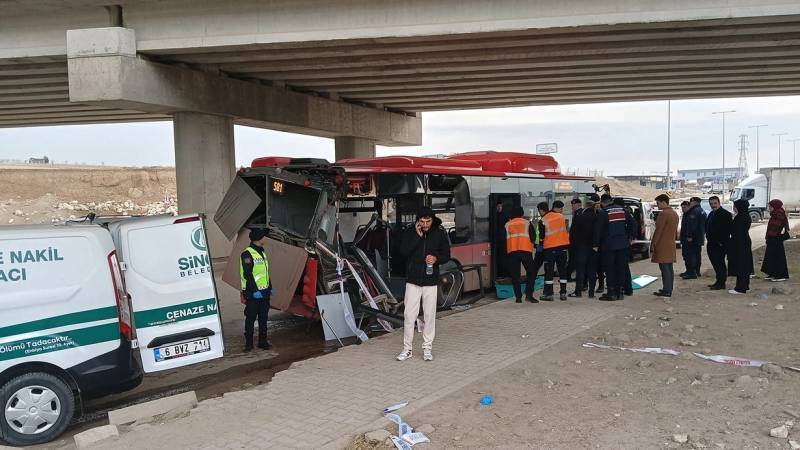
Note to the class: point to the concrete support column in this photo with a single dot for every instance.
(348, 147)
(205, 164)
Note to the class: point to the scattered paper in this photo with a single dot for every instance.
(742, 362)
(395, 407)
(416, 438)
(394, 418)
(400, 444)
(657, 350)
(404, 429)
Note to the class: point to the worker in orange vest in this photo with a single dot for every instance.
(556, 246)
(520, 236)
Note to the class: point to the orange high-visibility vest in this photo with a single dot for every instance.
(517, 236)
(555, 230)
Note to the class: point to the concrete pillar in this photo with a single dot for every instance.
(205, 164)
(348, 147)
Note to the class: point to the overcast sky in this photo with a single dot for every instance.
(621, 138)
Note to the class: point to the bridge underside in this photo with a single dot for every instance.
(610, 63)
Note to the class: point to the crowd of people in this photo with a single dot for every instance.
(596, 246)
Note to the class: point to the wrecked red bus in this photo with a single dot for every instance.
(358, 208)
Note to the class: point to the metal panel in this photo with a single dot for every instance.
(236, 207)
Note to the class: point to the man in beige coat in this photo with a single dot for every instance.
(662, 247)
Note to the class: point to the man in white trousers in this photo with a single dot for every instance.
(425, 247)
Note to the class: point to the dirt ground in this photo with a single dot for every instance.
(34, 195)
(573, 397)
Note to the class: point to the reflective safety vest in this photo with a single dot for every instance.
(555, 230)
(260, 270)
(517, 236)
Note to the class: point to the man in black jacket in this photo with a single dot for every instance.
(693, 233)
(718, 235)
(425, 247)
(581, 237)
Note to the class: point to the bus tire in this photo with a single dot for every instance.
(755, 216)
(36, 408)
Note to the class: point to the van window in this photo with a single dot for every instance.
(748, 194)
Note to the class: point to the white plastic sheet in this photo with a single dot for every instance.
(656, 350)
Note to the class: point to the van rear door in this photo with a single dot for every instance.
(167, 270)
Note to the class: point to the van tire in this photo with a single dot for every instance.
(36, 380)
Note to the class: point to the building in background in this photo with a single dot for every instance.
(712, 175)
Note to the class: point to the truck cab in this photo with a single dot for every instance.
(754, 189)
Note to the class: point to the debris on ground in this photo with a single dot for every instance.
(488, 399)
(680, 438)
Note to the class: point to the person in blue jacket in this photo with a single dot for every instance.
(693, 233)
(613, 233)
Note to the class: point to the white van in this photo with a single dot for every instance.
(77, 300)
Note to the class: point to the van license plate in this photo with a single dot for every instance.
(173, 351)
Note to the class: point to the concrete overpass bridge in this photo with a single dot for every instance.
(362, 71)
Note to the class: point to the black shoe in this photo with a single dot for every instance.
(607, 298)
(629, 293)
(531, 299)
(716, 287)
(689, 277)
(591, 294)
(265, 346)
(519, 300)
(546, 298)
(599, 289)
(563, 296)
(248, 348)
(575, 295)
(662, 294)
(683, 274)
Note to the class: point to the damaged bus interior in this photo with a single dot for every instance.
(340, 226)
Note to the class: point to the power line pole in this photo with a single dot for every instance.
(669, 136)
(758, 146)
(779, 146)
(723, 143)
(742, 169)
(794, 151)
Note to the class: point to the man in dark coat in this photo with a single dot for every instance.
(581, 234)
(718, 236)
(692, 238)
(425, 247)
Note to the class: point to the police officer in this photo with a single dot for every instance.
(556, 246)
(256, 289)
(520, 236)
(613, 233)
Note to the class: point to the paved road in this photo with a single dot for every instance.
(323, 402)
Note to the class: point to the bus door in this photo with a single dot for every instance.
(501, 206)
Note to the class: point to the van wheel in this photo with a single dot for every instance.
(755, 216)
(37, 407)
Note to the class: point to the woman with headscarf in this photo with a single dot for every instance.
(741, 252)
(774, 264)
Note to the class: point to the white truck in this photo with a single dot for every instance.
(712, 188)
(76, 301)
(770, 183)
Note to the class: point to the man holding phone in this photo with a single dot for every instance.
(425, 247)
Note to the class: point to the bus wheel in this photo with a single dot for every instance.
(755, 216)
(37, 407)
